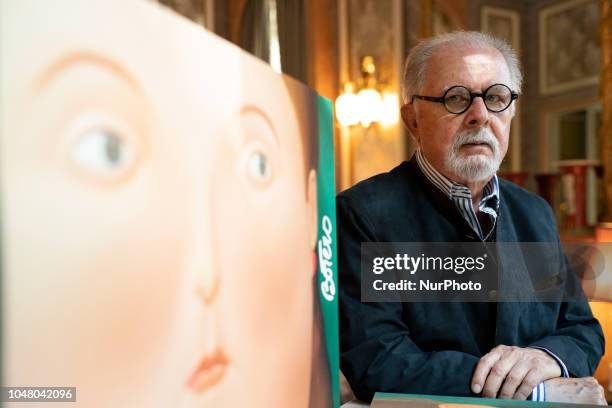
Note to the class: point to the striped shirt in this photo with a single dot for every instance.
(489, 205)
(462, 197)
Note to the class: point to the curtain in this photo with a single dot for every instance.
(255, 29)
(292, 37)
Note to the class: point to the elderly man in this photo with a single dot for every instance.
(458, 92)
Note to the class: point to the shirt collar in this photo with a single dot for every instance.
(453, 190)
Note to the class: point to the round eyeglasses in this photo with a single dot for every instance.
(457, 99)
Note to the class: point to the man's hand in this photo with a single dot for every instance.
(518, 369)
(575, 391)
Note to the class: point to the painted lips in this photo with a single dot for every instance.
(209, 371)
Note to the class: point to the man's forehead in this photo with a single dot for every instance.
(460, 52)
(464, 66)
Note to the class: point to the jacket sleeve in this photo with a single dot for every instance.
(578, 340)
(377, 353)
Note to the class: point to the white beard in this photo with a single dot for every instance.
(474, 167)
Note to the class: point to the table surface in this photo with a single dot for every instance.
(387, 400)
(473, 401)
(354, 404)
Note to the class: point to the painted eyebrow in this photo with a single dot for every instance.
(77, 57)
(256, 110)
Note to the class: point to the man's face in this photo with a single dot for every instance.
(454, 143)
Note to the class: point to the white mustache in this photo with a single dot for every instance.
(483, 135)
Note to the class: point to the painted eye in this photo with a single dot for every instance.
(259, 167)
(102, 151)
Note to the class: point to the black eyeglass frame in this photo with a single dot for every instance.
(440, 99)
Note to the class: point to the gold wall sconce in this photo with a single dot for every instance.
(367, 101)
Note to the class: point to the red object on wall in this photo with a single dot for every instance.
(573, 178)
(603, 232)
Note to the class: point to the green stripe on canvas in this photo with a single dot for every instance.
(328, 279)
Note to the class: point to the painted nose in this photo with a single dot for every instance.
(205, 275)
(207, 287)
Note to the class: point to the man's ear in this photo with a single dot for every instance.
(409, 119)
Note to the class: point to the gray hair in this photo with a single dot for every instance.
(415, 68)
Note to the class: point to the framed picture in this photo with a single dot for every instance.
(502, 23)
(569, 46)
(370, 28)
(505, 24)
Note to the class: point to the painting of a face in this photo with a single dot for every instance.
(158, 212)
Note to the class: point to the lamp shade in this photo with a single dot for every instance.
(389, 114)
(347, 109)
(370, 106)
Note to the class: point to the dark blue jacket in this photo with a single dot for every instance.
(433, 348)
